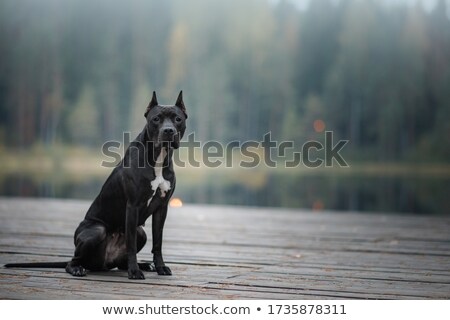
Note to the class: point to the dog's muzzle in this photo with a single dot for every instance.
(170, 135)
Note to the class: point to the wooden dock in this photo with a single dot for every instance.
(237, 253)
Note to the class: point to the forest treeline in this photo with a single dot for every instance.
(80, 72)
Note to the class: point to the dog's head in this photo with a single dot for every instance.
(166, 123)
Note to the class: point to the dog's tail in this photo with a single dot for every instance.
(37, 265)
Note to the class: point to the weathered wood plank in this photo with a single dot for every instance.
(235, 252)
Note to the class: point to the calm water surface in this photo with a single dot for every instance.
(365, 193)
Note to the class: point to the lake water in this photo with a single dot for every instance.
(318, 191)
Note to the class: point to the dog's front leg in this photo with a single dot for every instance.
(158, 219)
(131, 224)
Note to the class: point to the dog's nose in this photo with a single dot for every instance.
(169, 131)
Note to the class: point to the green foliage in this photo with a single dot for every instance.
(83, 121)
(81, 71)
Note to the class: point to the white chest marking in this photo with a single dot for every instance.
(159, 181)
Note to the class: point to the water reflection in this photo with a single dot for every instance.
(318, 192)
(421, 195)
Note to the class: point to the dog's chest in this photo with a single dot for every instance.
(159, 181)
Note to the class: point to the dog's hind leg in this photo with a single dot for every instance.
(121, 260)
(90, 245)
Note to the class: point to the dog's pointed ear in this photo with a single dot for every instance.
(152, 104)
(180, 103)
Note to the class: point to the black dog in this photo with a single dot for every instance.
(141, 185)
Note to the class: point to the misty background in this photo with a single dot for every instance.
(77, 73)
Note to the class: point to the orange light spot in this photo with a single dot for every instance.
(319, 125)
(176, 203)
(318, 205)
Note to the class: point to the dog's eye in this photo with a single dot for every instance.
(155, 119)
(178, 119)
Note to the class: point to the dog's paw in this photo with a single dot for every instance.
(163, 271)
(145, 266)
(160, 267)
(135, 274)
(77, 271)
